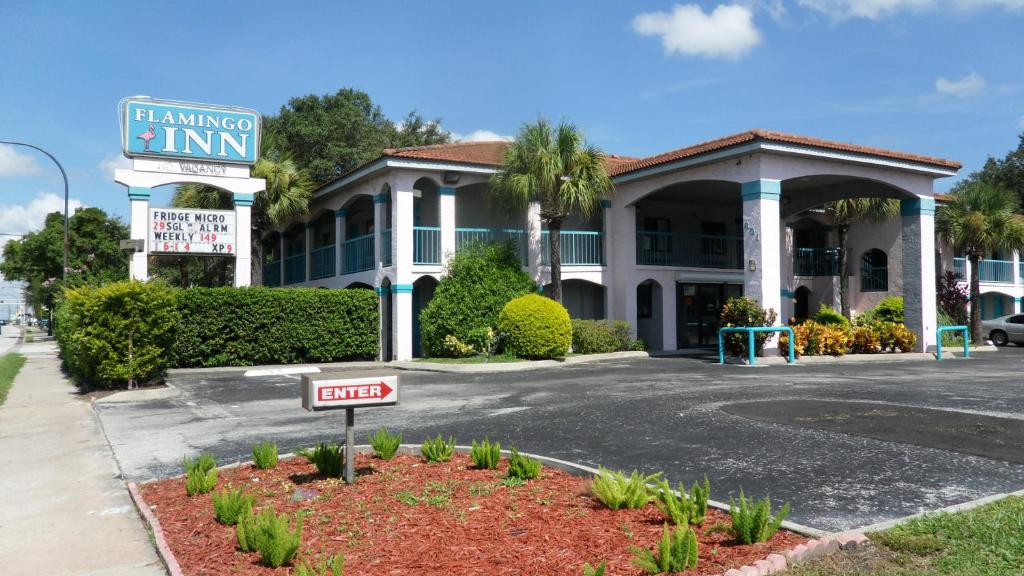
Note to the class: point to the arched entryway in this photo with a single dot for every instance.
(387, 322)
(422, 294)
(802, 304)
(649, 315)
(583, 299)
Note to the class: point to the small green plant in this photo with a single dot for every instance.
(485, 455)
(512, 482)
(522, 467)
(616, 491)
(264, 455)
(589, 570)
(676, 552)
(683, 508)
(270, 536)
(329, 458)
(437, 450)
(200, 474)
(330, 566)
(230, 506)
(385, 444)
(753, 521)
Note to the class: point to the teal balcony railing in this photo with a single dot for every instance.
(514, 236)
(272, 273)
(385, 243)
(295, 269)
(816, 261)
(322, 262)
(1020, 270)
(357, 254)
(991, 271)
(689, 250)
(996, 271)
(426, 245)
(575, 248)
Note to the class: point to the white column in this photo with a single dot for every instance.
(761, 253)
(606, 255)
(668, 316)
(1017, 280)
(340, 216)
(918, 238)
(243, 238)
(138, 268)
(624, 250)
(308, 250)
(446, 210)
(380, 221)
(401, 236)
(533, 243)
(788, 280)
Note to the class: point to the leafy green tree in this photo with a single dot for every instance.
(843, 213)
(343, 130)
(1006, 172)
(94, 255)
(980, 218)
(556, 167)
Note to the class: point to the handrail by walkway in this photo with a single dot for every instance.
(938, 339)
(750, 330)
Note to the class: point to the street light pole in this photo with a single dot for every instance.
(64, 175)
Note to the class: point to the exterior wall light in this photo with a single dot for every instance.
(752, 265)
(451, 177)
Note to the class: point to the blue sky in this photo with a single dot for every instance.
(939, 77)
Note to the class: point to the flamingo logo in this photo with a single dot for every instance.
(147, 136)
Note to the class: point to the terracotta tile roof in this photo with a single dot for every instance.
(757, 134)
(484, 153)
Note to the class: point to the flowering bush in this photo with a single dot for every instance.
(814, 339)
(746, 312)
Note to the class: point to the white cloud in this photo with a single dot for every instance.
(113, 162)
(728, 31)
(877, 9)
(966, 86)
(23, 218)
(480, 136)
(15, 163)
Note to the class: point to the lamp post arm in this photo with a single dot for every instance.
(64, 175)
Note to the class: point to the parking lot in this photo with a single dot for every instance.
(847, 444)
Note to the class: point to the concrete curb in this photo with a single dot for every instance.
(772, 564)
(962, 507)
(158, 534)
(424, 366)
(170, 391)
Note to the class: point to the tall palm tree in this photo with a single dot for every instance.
(556, 167)
(285, 198)
(980, 219)
(843, 213)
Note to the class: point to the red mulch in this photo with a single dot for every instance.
(549, 526)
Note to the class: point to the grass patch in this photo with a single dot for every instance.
(985, 541)
(10, 364)
(474, 359)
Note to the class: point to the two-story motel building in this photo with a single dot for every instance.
(683, 231)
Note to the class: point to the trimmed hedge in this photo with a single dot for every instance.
(116, 333)
(600, 336)
(248, 326)
(535, 326)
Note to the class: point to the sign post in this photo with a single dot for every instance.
(348, 391)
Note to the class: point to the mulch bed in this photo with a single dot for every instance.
(407, 517)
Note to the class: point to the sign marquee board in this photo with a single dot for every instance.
(198, 132)
(188, 231)
(356, 389)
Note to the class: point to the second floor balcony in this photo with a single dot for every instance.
(816, 261)
(689, 250)
(989, 271)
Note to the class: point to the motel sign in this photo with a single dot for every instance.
(164, 129)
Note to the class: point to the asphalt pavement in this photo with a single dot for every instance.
(841, 465)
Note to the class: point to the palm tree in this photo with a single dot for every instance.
(980, 219)
(556, 167)
(285, 198)
(843, 213)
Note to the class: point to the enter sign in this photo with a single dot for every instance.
(356, 389)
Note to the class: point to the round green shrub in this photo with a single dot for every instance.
(889, 310)
(744, 311)
(535, 326)
(829, 317)
(478, 281)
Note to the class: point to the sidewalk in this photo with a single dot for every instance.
(64, 509)
(8, 338)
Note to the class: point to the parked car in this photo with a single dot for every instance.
(1005, 329)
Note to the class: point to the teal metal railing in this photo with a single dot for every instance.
(357, 254)
(816, 261)
(322, 262)
(385, 246)
(576, 248)
(1020, 270)
(996, 271)
(426, 245)
(690, 250)
(960, 267)
(272, 273)
(295, 269)
(516, 237)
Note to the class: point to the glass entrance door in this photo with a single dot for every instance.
(699, 306)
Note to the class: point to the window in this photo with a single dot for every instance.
(644, 301)
(1016, 319)
(659, 240)
(874, 271)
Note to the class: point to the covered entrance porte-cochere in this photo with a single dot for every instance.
(698, 309)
